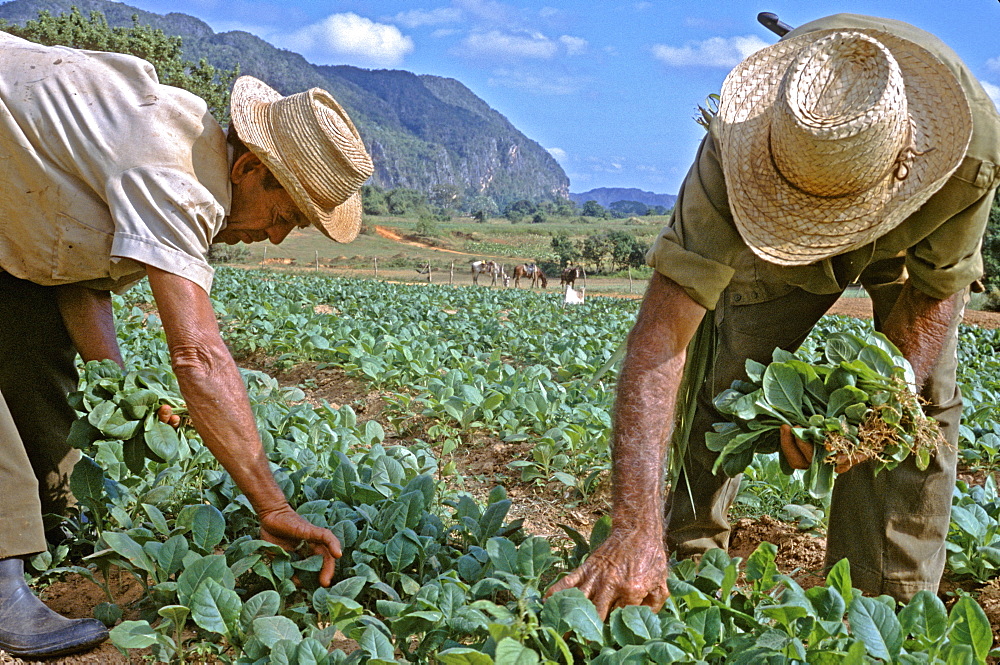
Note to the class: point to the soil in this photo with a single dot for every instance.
(482, 464)
(390, 234)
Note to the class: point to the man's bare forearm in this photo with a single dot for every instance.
(213, 388)
(90, 320)
(918, 325)
(644, 407)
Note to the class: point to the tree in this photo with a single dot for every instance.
(164, 53)
(403, 201)
(564, 248)
(597, 249)
(627, 250)
(538, 218)
(373, 200)
(622, 209)
(593, 209)
(991, 250)
(518, 210)
(445, 196)
(482, 208)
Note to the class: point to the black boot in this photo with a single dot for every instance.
(29, 628)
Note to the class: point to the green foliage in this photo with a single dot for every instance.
(427, 227)
(373, 200)
(622, 209)
(991, 250)
(565, 250)
(429, 575)
(404, 201)
(860, 381)
(593, 209)
(518, 210)
(162, 51)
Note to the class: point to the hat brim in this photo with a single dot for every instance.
(787, 226)
(249, 110)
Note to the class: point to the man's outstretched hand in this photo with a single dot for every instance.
(799, 454)
(291, 531)
(629, 569)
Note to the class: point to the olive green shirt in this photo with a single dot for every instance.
(702, 251)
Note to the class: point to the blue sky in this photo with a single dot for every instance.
(608, 87)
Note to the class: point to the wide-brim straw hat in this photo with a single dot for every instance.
(311, 146)
(830, 139)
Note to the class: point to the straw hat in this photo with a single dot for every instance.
(312, 148)
(830, 139)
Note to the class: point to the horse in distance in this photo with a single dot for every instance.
(570, 275)
(492, 268)
(531, 272)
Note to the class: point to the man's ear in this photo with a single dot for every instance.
(246, 164)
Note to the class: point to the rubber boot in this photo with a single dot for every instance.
(30, 629)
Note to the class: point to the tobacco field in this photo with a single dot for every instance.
(433, 572)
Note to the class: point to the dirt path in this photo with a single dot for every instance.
(862, 308)
(390, 234)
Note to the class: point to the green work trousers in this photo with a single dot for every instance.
(890, 527)
(37, 372)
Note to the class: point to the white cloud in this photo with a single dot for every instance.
(352, 38)
(536, 83)
(993, 91)
(642, 6)
(714, 52)
(574, 45)
(993, 64)
(495, 44)
(416, 18)
(488, 11)
(558, 153)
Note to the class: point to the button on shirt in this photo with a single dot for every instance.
(702, 251)
(103, 170)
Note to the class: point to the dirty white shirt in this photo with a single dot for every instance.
(103, 170)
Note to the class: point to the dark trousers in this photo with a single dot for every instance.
(891, 527)
(37, 372)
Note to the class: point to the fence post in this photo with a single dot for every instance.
(630, 280)
(451, 275)
(317, 260)
(428, 273)
(375, 261)
(263, 258)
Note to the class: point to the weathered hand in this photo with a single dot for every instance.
(291, 531)
(166, 414)
(799, 454)
(628, 569)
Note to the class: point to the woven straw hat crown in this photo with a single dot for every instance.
(830, 139)
(311, 146)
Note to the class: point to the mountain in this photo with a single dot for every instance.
(608, 195)
(422, 131)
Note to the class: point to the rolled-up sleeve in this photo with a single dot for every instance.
(696, 249)
(943, 257)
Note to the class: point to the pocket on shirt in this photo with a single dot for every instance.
(82, 251)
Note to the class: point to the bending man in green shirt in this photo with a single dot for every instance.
(855, 150)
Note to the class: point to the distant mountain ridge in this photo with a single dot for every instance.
(608, 195)
(422, 131)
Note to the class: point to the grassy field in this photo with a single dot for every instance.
(449, 252)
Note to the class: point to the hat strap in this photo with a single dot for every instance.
(901, 167)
